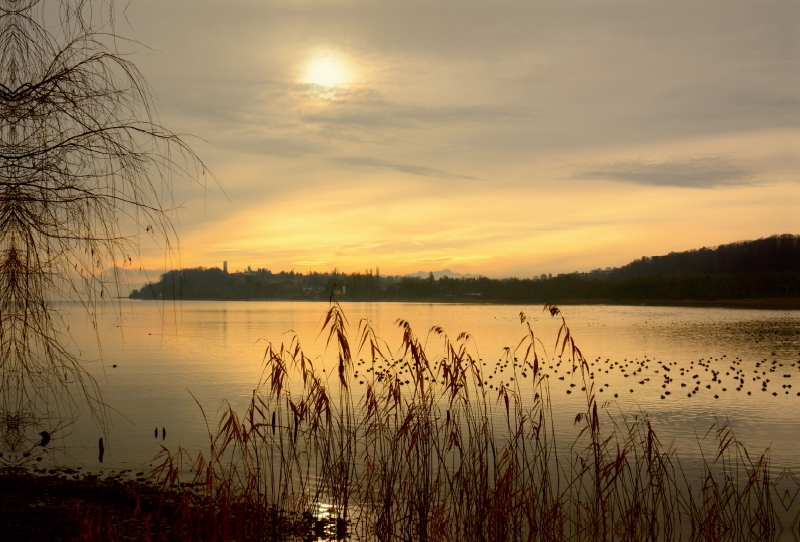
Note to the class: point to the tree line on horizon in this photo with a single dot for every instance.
(765, 268)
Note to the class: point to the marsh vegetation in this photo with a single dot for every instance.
(428, 452)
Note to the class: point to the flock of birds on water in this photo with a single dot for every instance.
(717, 375)
(695, 375)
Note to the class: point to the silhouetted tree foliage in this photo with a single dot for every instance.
(776, 254)
(678, 276)
(85, 168)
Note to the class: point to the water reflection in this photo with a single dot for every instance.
(215, 350)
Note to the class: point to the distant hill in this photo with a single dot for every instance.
(749, 270)
(776, 254)
(443, 273)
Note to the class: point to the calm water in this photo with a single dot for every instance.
(214, 350)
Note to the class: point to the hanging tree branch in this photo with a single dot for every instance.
(85, 166)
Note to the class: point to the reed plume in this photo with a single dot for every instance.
(427, 452)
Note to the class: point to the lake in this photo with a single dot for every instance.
(214, 350)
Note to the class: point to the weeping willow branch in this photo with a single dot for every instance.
(85, 171)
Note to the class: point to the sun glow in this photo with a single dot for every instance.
(325, 72)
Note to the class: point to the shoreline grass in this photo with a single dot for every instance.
(420, 456)
(429, 453)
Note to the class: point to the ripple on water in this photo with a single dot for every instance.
(686, 366)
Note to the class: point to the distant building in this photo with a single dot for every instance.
(224, 267)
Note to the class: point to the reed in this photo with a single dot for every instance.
(427, 452)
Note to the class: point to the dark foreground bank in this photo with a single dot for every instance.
(68, 505)
(65, 504)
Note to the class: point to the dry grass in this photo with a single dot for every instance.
(428, 453)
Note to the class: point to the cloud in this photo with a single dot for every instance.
(458, 115)
(372, 112)
(693, 172)
(365, 161)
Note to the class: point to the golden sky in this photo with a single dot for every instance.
(498, 138)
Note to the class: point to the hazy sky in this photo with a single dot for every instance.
(500, 138)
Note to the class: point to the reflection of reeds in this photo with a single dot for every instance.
(418, 457)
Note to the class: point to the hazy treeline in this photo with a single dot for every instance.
(767, 268)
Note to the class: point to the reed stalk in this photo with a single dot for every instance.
(427, 452)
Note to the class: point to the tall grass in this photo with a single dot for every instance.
(427, 452)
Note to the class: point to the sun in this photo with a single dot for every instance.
(325, 72)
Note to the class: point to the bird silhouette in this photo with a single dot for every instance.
(45, 439)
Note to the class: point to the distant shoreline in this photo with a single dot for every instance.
(787, 304)
(763, 274)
